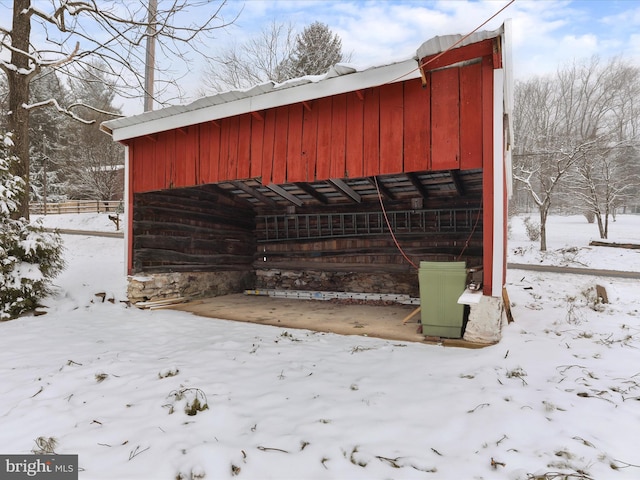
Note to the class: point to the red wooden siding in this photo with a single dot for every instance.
(445, 119)
(393, 128)
(471, 117)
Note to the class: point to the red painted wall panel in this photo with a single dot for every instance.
(387, 129)
(214, 151)
(296, 167)
(244, 146)
(371, 140)
(391, 127)
(445, 119)
(279, 171)
(355, 135)
(234, 138)
(204, 151)
(257, 138)
(223, 162)
(338, 136)
(471, 117)
(323, 148)
(417, 126)
(309, 153)
(267, 146)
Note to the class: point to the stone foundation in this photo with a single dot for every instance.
(485, 321)
(398, 283)
(158, 286)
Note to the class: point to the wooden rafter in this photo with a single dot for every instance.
(284, 194)
(457, 182)
(382, 187)
(313, 192)
(254, 193)
(346, 189)
(415, 181)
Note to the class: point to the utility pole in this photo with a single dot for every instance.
(151, 56)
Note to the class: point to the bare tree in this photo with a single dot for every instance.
(276, 54)
(250, 63)
(568, 130)
(73, 33)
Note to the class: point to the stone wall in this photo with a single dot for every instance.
(158, 286)
(398, 283)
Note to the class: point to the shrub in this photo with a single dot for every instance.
(29, 257)
(533, 229)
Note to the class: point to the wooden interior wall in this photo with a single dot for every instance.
(379, 253)
(191, 229)
(398, 127)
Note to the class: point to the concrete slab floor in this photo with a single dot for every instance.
(380, 321)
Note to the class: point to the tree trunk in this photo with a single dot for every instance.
(600, 225)
(544, 212)
(18, 82)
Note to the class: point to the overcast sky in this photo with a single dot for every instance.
(546, 33)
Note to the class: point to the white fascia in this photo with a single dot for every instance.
(183, 117)
(498, 183)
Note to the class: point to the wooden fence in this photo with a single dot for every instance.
(75, 206)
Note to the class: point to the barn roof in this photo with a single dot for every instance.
(341, 78)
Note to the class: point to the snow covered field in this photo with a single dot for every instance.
(117, 385)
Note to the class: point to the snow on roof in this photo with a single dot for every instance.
(341, 78)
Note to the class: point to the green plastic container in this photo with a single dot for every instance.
(441, 284)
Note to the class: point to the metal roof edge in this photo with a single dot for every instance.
(258, 98)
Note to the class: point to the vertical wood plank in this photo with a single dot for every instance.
(204, 152)
(214, 151)
(355, 136)
(391, 127)
(280, 145)
(371, 132)
(296, 168)
(257, 136)
(244, 146)
(323, 165)
(417, 126)
(338, 136)
(223, 162)
(267, 146)
(165, 161)
(309, 140)
(471, 117)
(190, 163)
(445, 119)
(234, 138)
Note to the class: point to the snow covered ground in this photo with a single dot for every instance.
(117, 385)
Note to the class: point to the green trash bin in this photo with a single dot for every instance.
(441, 284)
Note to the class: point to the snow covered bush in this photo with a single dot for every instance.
(29, 257)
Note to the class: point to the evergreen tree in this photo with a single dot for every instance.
(29, 257)
(316, 50)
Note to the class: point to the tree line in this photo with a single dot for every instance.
(577, 148)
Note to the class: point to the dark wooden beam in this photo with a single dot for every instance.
(415, 181)
(312, 191)
(382, 187)
(457, 182)
(346, 189)
(254, 193)
(284, 194)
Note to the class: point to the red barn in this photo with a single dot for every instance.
(342, 182)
